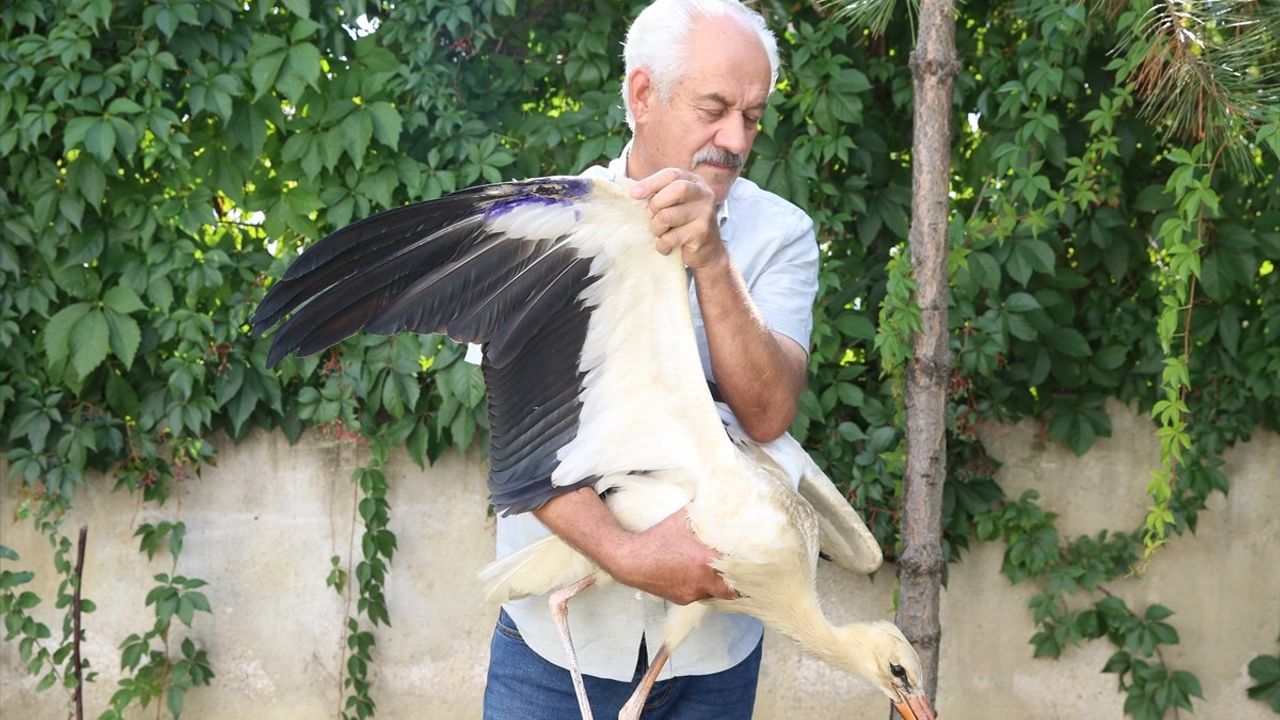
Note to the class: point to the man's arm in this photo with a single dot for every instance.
(760, 373)
(666, 560)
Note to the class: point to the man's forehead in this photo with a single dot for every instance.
(725, 58)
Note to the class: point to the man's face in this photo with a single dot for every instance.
(709, 122)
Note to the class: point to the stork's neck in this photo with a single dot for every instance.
(645, 403)
(847, 647)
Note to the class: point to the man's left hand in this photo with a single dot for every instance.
(682, 210)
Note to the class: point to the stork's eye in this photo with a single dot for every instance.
(898, 671)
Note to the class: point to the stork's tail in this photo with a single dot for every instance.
(541, 567)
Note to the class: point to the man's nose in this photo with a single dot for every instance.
(733, 135)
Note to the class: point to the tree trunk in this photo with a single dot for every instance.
(934, 67)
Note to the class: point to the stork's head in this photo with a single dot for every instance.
(695, 95)
(879, 653)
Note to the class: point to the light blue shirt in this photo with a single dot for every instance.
(772, 244)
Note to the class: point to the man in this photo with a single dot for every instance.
(698, 75)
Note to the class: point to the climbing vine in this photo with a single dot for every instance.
(1178, 267)
(154, 674)
(161, 163)
(54, 664)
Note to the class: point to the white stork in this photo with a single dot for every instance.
(594, 379)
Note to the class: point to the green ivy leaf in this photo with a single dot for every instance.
(123, 106)
(302, 29)
(100, 140)
(1265, 669)
(301, 69)
(173, 700)
(1068, 341)
(1021, 328)
(855, 326)
(985, 270)
(123, 300)
(77, 129)
(87, 177)
(1110, 357)
(355, 132)
(267, 56)
(160, 292)
(387, 123)
(58, 332)
(90, 342)
(1021, 302)
(125, 336)
(46, 682)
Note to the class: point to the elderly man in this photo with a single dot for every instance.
(698, 75)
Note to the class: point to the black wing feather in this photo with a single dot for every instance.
(539, 407)
(352, 303)
(438, 267)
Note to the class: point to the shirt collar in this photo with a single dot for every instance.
(618, 170)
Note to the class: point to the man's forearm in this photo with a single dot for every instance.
(759, 373)
(666, 560)
(581, 519)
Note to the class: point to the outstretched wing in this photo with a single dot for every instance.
(436, 266)
(558, 278)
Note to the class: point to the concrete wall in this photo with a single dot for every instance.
(264, 522)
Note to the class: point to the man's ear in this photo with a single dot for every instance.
(641, 93)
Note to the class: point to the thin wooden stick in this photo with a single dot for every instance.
(75, 615)
(934, 67)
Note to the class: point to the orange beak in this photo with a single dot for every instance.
(914, 707)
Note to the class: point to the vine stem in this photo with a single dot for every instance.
(75, 619)
(1186, 321)
(1186, 359)
(1165, 665)
(164, 633)
(346, 609)
(977, 203)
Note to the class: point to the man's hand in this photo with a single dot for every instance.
(682, 210)
(669, 561)
(666, 560)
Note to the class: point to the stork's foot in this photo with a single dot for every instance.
(559, 601)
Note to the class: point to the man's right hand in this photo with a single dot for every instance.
(667, 560)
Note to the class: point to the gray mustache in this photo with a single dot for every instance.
(717, 156)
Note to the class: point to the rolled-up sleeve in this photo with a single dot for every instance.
(787, 282)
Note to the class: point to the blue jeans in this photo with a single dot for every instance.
(524, 686)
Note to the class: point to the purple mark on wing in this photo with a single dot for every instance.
(502, 207)
(561, 191)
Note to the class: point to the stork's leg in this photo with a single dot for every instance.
(680, 622)
(631, 711)
(560, 614)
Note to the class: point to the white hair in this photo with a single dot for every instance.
(658, 42)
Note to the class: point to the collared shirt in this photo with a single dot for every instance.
(772, 244)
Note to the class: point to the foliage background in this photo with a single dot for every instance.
(163, 161)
